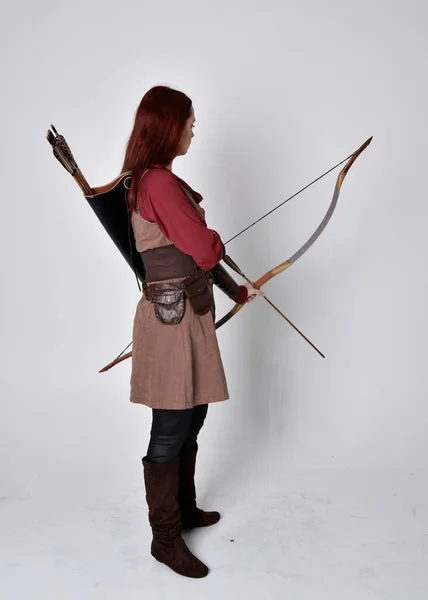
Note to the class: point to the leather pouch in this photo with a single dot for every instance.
(199, 293)
(169, 302)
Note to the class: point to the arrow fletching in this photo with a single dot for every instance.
(63, 154)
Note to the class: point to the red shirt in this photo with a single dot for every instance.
(161, 200)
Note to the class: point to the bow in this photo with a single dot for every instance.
(282, 266)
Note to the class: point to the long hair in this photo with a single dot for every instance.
(155, 137)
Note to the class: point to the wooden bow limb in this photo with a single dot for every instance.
(305, 247)
(116, 361)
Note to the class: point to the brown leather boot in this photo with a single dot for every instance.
(191, 515)
(168, 547)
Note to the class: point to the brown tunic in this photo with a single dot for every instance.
(173, 366)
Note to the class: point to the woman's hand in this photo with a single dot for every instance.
(253, 292)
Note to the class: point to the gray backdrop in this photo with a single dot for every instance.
(319, 467)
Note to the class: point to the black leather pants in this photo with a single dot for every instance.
(173, 430)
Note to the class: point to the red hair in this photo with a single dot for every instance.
(156, 135)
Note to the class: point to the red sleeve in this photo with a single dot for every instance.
(162, 201)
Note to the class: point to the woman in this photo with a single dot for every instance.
(176, 365)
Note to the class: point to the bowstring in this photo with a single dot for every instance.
(291, 197)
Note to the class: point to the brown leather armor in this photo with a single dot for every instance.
(225, 282)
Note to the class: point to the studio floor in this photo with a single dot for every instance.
(303, 536)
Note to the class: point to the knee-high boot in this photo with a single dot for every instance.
(168, 547)
(191, 515)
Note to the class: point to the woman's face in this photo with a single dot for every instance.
(187, 134)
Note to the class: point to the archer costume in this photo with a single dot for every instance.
(177, 260)
(176, 364)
